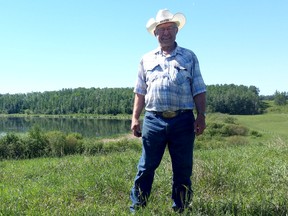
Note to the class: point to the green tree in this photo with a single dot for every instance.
(233, 99)
(280, 98)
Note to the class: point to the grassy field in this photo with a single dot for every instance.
(234, 174)
(275, 124)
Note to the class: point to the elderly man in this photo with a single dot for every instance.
(169, 86)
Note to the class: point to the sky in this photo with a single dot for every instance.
(49, 45)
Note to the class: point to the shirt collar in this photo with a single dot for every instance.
(175, 51)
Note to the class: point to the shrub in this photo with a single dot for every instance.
(57, 143)
(36, 143)
(11, 146)
(255, 133)
(229, 128)
(74, 143)
(60, 144)
(230, 120)
(232, 130)
(214, 128)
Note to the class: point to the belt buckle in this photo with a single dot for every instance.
(169, 114)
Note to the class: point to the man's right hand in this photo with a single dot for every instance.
(135, 127)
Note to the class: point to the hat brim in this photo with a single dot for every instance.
(178, 18)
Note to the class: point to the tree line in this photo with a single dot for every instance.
(70, 101)
(230, 99)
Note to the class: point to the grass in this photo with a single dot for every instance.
(74, 185)
(271, 123)
(242, 181)
(234, 174)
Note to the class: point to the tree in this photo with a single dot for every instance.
(233, 99)
(280, 98)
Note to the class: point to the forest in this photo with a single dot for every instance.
(228, 98)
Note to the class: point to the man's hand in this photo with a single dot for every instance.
(135, 127)
(199, 125)
(139, 103)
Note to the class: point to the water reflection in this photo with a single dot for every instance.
(87, 127)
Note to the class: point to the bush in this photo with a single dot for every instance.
(60, 144)
(11, 146)
(74, 143)
(57, 142)
(39, 144)
(232, 130)
(280, 98)
(214, 129)
(225, 126)
(36, 142)
(255, 133)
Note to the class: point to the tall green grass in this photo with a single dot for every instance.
(76, 185)
(238, 170)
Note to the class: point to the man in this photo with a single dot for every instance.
(169, 86)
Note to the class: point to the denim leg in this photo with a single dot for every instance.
(153, 147)
(180, 144)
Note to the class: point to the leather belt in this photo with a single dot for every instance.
(170, 114)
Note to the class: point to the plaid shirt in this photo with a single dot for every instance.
(169, 82)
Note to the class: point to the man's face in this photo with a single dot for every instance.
(166, 33)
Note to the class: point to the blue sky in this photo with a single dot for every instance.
(48, 45)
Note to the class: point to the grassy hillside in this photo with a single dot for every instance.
(275, 124)
(240, 169)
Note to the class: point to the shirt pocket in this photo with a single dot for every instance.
(180, 74)
(152, 72)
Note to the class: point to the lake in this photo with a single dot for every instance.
(86, 127)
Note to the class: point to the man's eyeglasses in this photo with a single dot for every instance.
(162, 30)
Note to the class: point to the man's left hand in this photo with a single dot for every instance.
(199, 125)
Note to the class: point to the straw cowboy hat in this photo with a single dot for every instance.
(164, 16)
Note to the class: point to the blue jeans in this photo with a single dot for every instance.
(178, 134)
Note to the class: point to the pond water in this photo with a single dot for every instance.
(86, 127)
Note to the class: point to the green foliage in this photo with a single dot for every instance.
(59, 144)
(37, 143)
(70, 101)
(273, 108)
(280, 98)
(73, 143)
(223, 131)
(233, 99)
(11, 146)
(230, 99)
(234, 130)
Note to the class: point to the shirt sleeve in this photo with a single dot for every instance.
(140, 87)
(198, 85)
